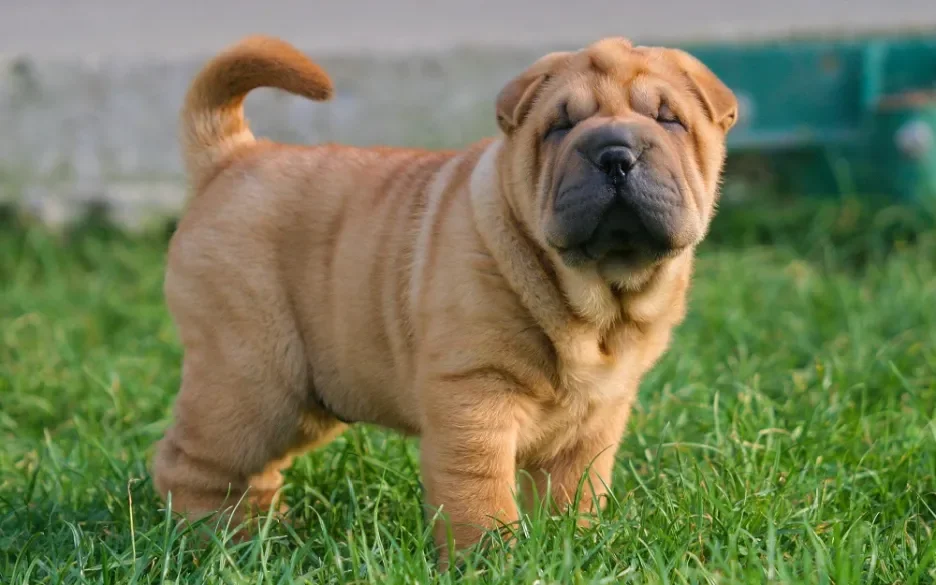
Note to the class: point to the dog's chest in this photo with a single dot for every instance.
(589, 393)
(586, 382)
(596, 385)
(588, 372)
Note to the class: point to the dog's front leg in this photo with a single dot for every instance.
(468, 450)
(579, 475)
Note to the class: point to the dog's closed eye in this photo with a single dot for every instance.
(668, 118)
(561, 124)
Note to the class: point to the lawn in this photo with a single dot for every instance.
(789, 436)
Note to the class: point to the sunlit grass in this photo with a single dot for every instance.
(787, 437)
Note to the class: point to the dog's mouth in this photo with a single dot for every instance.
(622, 255)
(634, 224)
(614, 247)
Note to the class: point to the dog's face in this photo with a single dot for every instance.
(615, 153)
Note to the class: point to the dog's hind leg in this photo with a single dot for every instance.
(316, 430)
(234, 431)
(245, 405)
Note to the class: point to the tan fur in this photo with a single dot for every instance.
(412, 289)
(213, 126)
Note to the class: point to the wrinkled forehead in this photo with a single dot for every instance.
(614, 71)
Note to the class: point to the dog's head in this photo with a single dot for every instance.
(614, 155)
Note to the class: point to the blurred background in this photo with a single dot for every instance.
(89, 91)
(174, 28)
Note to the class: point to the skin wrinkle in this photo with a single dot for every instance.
(418, 290)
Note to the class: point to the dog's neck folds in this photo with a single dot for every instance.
(517, 256)
(573, 330)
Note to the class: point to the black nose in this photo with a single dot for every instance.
(616, 160)
(614, 148)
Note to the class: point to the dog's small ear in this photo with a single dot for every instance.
(515, 100)
(716, 97)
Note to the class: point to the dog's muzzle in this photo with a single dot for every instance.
(619, 196)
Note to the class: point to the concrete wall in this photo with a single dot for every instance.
(90, 91)
(83, 131)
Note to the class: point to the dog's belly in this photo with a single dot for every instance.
(357, 343)
(362, 388)
(358, 364)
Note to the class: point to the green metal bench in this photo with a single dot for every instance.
(836, 116)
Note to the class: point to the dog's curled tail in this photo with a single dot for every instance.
(212, 122)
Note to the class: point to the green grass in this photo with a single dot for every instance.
(789, 436)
